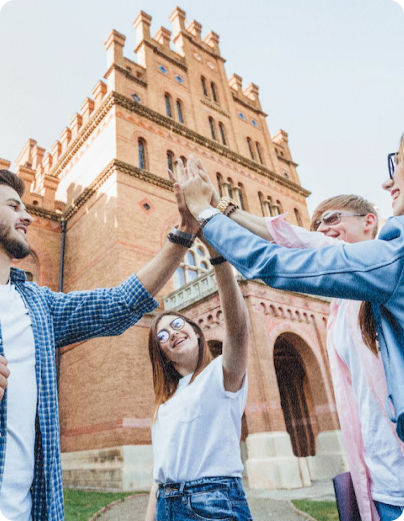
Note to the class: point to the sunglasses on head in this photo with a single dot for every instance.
(333, 217)
(163, 335)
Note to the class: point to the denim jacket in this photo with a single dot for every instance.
(371, 271)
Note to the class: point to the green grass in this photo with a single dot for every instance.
(81, 505)
(320, 510)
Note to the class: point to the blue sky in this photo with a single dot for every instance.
(330, 73)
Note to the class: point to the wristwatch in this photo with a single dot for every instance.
(206, 215)
(227, 205)
(183, 238)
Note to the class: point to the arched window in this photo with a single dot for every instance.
(276, 208)
(179, 111)
(184, 160)
(214, 92)
(266, 206)
(212, 128)
(258, 147)
(298, 217)
(219, 179)
(141, 147)
(195, 263)
(167, 99)
(250, 147)
(239, 195)
(170, 160)
(222, 134)
(228, 187)
(204, 89)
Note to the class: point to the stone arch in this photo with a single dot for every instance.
(296, 396)
(215, 347)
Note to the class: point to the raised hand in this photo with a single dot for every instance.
(198, 193)
(203, 173)
(188, 223)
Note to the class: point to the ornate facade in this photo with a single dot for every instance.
(103, 205)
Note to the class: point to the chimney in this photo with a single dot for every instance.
(163, 36)
(195, 28)
(213, 41)
(251, 92)
(177, 18)
(236, 82)
(98, 93)
(114, 45)
(142, 25)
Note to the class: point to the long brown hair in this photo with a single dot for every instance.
(165, 376)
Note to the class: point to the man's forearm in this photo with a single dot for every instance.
(254, 223)
(162, 267)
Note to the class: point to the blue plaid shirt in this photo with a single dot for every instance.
(60, 319)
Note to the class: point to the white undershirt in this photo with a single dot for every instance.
(197, 432)
(382, 455)
(19, 349)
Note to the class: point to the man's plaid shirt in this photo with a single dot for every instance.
(60, 319)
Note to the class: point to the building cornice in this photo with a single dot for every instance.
(114, 166)
(130, 76)
(248, 105)
(41, 212)
(214, 106)
(161, 53)
(114, 98)
(191, 39)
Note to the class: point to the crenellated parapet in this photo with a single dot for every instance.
(36, 167)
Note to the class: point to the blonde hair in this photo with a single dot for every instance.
(354, 203)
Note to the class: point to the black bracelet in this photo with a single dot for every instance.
(176, 239)
(179, 237)
(217, 260)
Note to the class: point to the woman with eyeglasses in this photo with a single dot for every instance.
(369, 271)
(199, 403)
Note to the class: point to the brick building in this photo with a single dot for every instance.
(103, 205)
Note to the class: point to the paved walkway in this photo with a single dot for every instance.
(265, 505)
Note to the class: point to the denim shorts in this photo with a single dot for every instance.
(204, 499)
(388, 512)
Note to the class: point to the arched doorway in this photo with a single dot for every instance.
(215, 347)
(30, 265)
(296, 399)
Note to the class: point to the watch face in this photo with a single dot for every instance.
(208, 212)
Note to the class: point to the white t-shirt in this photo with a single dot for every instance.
(197, 432)
(19, 349)
(383, 455)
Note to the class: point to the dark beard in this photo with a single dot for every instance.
(17, 249)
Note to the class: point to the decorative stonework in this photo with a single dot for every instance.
(114, 98)
(214, 106)
(164, 55)
(249, 106)
(115, 67)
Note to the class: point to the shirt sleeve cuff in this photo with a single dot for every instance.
(137, 297)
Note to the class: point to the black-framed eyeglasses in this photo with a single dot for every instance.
(391, 160)
(332, 217)
(163, 335)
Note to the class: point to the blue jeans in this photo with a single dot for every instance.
(388, 512)
(204, 499)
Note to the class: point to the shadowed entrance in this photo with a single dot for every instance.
(296, 397)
